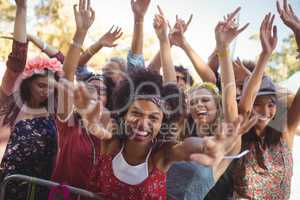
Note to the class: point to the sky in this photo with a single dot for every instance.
(206, 15)
(201, 31)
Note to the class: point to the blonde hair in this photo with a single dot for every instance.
(215, 91)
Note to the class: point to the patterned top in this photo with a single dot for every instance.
(30, 151)
(265, 172)
(104, 182)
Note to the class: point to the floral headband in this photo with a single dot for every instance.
(206, 85)
(39, 65)
(156, 99)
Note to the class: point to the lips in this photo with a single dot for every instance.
(202, 113)
(141, 135)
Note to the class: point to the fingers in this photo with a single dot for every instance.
(278, 8)
(275, 38)
(243, 28)
(160, 11)
(291, 10)
(285, 5)
(190, 20)
(233, 14)
(75, 8)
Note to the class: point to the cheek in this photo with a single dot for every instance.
(103, 99)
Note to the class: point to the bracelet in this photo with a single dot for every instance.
(45, 46)
(76, 45)
(223, 53)
(90, 51)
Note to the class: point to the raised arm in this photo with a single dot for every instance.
(17, 59)
(155, 63)
(139, 9)
(224, 33)
(107, 40)
(268, 42)
(210, 150)
(161, 26)
(203, 70)
(291, 20)
(84, 17)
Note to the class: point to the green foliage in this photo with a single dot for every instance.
(284, 63)
(54, 23)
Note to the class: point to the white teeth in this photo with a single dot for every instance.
(142, 133)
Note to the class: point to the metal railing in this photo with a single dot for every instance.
(45, 183)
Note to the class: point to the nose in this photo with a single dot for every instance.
(143, 124)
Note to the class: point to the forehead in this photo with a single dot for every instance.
(97, 83)
(42, 79)
(201, 92)
(265, 99)
(179, 73)
(146, 106)
(112, 66)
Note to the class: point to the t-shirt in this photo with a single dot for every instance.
(189, 181)
(76, 154)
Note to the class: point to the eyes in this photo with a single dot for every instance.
(152, 117)
(196, 101)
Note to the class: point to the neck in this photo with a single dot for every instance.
(203, 129)
(260, 132)
(33, 104)
(135, 154)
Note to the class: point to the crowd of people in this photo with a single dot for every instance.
(136, 131)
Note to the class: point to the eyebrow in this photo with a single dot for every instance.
(135, 108)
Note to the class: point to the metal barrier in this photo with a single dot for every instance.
(45, 183)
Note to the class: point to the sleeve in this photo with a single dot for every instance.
(17, 58)
(135, 61)
(59, 56)
(173, 101)
(187, 180)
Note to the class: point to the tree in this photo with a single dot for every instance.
(284, 63)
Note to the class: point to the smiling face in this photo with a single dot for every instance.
(265, 107)
(203, 106)
(98, 90)
(143, 121)
(114, 71)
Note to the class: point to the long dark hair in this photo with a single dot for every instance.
(25, 94)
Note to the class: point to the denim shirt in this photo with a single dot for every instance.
(189, 181)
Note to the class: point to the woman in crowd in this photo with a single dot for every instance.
(135, 167)
(205, 112)
(266, 172)
(26, 114)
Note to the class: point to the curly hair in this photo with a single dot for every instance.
(189, 124)
(187, 77)
(145, 82)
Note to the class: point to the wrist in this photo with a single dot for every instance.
(265, 54)
(79, 37)
(221, 46)
(138, 19)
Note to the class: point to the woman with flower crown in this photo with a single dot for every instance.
(27, 111)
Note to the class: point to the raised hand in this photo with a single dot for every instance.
(139, 8)
(176, 35)
(21, 4)
(268, 34)
(288, 16)
(109, 38)
(84, 16)
(240, 71)
(226, 31)
(215, 148)
(160, 25)
(92, 112)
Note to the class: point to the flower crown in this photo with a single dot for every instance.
(40, 65)
(206, 85)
